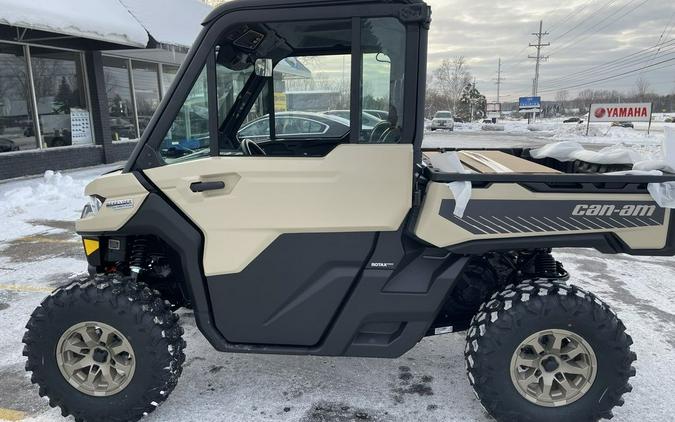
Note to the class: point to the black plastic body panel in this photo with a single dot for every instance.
(289, 294)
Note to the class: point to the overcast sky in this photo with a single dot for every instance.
(605, 30)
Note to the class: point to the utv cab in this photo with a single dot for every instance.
(339, 245)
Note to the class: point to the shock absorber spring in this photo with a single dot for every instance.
(137, 256)
(546, 265)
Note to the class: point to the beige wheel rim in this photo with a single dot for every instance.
(553, 368)
(96, 359)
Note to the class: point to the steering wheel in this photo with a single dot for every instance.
(251, 149)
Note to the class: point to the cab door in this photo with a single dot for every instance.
(286, 237)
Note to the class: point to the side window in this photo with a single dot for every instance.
(382, 88)
(188, 137)
(311, 97)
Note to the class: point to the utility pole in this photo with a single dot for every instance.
(499, 80)
(538, 58)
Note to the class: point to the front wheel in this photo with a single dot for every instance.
(109, 349)
(545, 351)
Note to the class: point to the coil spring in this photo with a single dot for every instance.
(138, 253)
(546, 265)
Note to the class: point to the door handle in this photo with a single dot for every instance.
(199, 187)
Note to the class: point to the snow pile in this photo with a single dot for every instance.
(105, 20)
(542, 127)
(53, 197)
(493, 128)
(604, 133)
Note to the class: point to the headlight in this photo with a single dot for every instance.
(92, 207)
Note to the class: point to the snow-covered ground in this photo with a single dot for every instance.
(39, 251)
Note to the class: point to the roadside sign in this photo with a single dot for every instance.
(531, 104)
(494, 110)
(627, 112)
(494, 107)
(621, 112)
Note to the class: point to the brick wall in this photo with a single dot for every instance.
(120, 151)
(26, 163)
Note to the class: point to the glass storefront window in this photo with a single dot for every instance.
(168, 75)
(120, 101)
(61, 97)
(146, 89)
(16, 121)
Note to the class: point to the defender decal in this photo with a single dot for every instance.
(515, 217)
(120, 204)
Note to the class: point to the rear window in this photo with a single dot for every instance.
(443, 115)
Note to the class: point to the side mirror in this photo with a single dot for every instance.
(264, 68)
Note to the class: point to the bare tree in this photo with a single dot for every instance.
(642, 88)
(561, 98)
(450, 79)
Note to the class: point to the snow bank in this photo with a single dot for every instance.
(604, 133)
(53, 197)
(493, 128)
(105, 20)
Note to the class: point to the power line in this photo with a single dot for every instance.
(623, 59)
(624, 74)
(581, 37)
(576, 10)
(640, 57)
(592, 15)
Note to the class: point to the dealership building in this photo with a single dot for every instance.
(80, 79)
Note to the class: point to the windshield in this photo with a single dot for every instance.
(443, 115)
(189, 134)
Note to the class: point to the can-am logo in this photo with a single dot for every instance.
(614, 210)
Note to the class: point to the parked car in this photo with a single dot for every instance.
(296, 124)
(443, 120)
(369, 121)
(458, 120)
(629, 125)
(7, 145)
(573, 120)
(380, 114)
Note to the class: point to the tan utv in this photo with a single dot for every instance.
(289, 231)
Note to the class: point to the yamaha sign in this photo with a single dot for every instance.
(636, 112)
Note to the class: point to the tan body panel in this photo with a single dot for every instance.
(116, 186)
(442, 232)
(356, 188)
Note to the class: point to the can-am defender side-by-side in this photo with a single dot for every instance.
(287, 235)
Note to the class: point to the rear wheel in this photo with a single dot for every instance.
(108, 349)
(543, 350)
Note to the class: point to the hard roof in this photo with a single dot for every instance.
(234, 5)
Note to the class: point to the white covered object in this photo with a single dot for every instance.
(663, 194)
(571, 151)
(104, 20)
(449, 162)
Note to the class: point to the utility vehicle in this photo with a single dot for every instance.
(343, 246)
